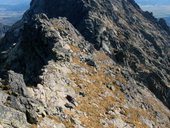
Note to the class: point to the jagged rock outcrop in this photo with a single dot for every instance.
(85, 63)
(112, 29)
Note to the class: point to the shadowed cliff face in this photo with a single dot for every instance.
(84, 15)
(90, 17)
(3, 30)
(86, 55)
(35, 47)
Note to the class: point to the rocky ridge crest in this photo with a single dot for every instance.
(85, 63)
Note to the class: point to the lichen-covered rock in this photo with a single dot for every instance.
(12, 118)
(46, 122)
(16, 84)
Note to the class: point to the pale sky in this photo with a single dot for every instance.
(14, 1)
(160, 8)
(153, 2)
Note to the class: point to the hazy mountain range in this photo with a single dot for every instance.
(160, 8)
(167, 20)
(10, 13)
(153, 2)
(14, 2)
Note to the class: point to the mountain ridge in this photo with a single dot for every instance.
(85, 64)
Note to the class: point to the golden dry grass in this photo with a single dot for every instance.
(93, 104)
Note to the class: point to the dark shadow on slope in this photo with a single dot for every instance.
(80, 14)
(33, 51)
(154, 81)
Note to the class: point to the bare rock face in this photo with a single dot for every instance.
(85, 63)
(118, 26)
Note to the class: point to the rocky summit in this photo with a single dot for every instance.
(85, 64)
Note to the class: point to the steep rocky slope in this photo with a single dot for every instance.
(85, 64)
